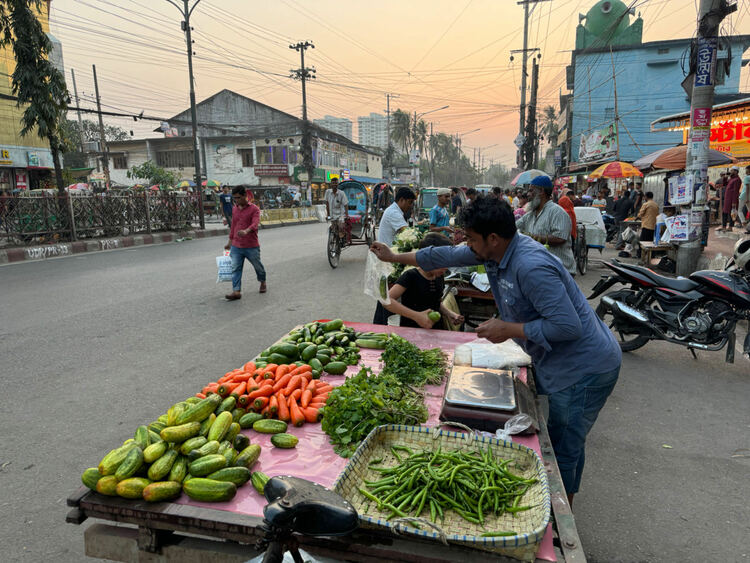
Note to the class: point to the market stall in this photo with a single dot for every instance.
(160, 527)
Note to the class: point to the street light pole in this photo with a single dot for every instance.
(414, 130)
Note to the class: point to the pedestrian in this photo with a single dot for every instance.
(576, 357)
(471, 195)
(440, 217)
(297, 198)
(731, 199)
(567, 204)
(226, 205)
(455, 201)
(243, 242)
(743, 205)
(393, 221)
(622, 209)
(419, 292)
(547, 222)
(337, 206)
(647, 214)
(600, 202)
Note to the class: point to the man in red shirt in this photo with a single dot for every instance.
(243, 241)
(731, 198)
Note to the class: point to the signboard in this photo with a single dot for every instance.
(681, 190)
(346, 174)
(706, 69)
(414, 156)
(22, 180)
(271, 170)
(519, 140)
(223, 157)
(702, 117)
(678, 227)
(5, 159)
(600, 144)
(558, 157)
(33, 158)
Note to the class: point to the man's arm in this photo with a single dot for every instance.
(429, 258)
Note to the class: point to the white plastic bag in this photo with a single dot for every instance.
(224, 265)
(376, 278)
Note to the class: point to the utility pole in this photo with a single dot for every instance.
(303, 74)
(388, 150)
(78, 105)
(102, 139)
(529, 146)
(710, 15)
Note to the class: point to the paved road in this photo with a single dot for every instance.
(96, 344)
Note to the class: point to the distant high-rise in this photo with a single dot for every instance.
(373, 130)
(340, 125)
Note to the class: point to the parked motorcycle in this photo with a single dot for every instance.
(699, 312)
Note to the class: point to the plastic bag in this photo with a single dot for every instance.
(514, 425)
(224, 265)
(503, 355)
(376, 278)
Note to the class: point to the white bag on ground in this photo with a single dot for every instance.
(224, 264)
(376, 278)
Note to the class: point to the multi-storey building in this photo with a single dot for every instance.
(373, 130)
(340, 125)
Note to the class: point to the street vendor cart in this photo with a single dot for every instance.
(186, 530)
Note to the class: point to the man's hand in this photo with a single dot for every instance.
(455, 318)
(382, 251)
(498, 331)
(227, 246)
(224, 220)
(423, 320)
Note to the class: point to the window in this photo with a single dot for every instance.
(279, 154)
(119, 161)
(175, 159)
(609, 113)
(265, 155)
(247, 157)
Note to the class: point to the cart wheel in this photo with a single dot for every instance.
(333, 248)
(582, 252)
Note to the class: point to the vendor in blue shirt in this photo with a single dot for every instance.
(576, 357)
(440, 215)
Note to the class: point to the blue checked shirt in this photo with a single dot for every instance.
(564, 337)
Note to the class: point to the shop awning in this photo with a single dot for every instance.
(368, 180)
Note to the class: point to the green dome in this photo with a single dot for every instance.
(604, 14)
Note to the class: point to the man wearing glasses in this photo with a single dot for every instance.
(243, 241)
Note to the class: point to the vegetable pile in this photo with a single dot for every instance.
(405, 241)
(412, 365)
(471, 484)
(366, 401)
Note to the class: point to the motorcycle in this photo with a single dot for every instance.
(699, 312)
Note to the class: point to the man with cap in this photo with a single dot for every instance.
(440, 216)
(731, 198)
(548, 223)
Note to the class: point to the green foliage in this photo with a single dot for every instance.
(153, 174)
(411, 365)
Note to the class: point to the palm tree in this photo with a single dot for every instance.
(549, 125)
(401, 130)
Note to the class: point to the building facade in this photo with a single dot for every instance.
(373, 130)
(25, 161)
(340, 125)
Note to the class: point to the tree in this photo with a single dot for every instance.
(401, 130)
(35, 82)
(153, 174)
(85, 132)
(549, 125)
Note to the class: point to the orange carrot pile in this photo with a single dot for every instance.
(286, 392)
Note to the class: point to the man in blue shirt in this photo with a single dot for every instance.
(440, 216)
(226, 205)
(576, 357)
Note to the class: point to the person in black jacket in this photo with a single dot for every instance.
(623, 207)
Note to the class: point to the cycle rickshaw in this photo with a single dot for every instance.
(591, 234)
(359, 224)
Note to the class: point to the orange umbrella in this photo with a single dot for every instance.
(615, 169)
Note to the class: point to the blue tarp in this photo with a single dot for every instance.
(366, 180)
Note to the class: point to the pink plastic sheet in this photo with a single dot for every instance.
(314, 458)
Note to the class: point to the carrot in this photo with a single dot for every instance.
(270, 367)
(301, 369)
(265, 412)
(281, 371)
(226, 377)
(264, 391)
(282, 382)
(311, 414)
(226, 388)
(321, 388)
(249, 367)
(296, 394)
(243, 401)
(252, 387)
(273, 404)
(241, 377)
(323, 396)
(200, 395)
(283, 408)
(260, 403)
(240, 389)
(292, 385)
(302, 384)
(305, 398)
(210, 388)
(258, 373)
(298, 419)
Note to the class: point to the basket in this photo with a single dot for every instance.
(530, 525)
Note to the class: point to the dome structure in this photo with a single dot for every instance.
(608, 24)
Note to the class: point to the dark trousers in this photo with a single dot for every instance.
(647, 235)
(726, 219)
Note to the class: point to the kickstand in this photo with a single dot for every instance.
(692, 351)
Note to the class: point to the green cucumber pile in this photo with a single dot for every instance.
(195, 448)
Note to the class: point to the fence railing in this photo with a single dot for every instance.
(35, 219)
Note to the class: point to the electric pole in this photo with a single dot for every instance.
(303, 74)
(78, 105)
(102, 139)
(388, 151)
(529, 146)
(710, 15)
(186, 11)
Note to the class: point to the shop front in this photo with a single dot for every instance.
(24, 168)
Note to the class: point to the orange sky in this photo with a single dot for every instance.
(428, 52)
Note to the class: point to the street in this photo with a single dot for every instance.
(94, 345)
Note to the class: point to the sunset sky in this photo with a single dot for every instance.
(428, 52)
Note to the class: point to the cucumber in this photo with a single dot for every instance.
(247, 420)
(315, 364)
(192, 444)
(371, 343)
(162, 466)
(90, 477)
(284, 440)
(132, 488)
(207, 464)
(174, 411)
(107, 485)
(237, 414)
(154, 451)
(288, 350)
(192, 400)
(182, 432)
(179, 470)
(153, 436)
(259, 480)
(270, 426)
(132, 463)
(234, 430)
(335, 324)
(157, 426)
(224, 446)
(316, 373)
(309, 352)
(227, 405)
(161, 491)
(206, 425)
(230, 454)
(162, 419)
(209, 490)
(336, 368)
(280, 359)
(323, 359)
(141, 437)
(220, 426)
(199, 411)
(248, 456)
(110, 462)
(237, 475)
(208, 448)
(241, 442)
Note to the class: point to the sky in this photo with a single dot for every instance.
(427, 53)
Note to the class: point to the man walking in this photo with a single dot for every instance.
(456, 201)
(393, 221)
(243, 242)
(647, 214)
(226, 205)
(337, 206)
(622, 209)
(440, 217)
(576, 357)
(731, 199)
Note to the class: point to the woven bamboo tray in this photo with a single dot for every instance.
(530, 526)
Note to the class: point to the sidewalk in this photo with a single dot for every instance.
(720, 247)
(214, 228)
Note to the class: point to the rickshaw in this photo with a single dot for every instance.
(359, 224)
(382, 197)
(591, 234)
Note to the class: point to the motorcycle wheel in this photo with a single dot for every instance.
(628, 341)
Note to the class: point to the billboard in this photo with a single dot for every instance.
(599, 144)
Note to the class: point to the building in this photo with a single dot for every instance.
(373, 130)
(618, 85)
(25, 162)
(243, 141)
(340, 125)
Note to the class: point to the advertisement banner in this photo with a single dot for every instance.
(21, 180)
(600, 144)
(678, 227)
(271, 170)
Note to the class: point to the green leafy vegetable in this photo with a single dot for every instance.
(411, 365)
